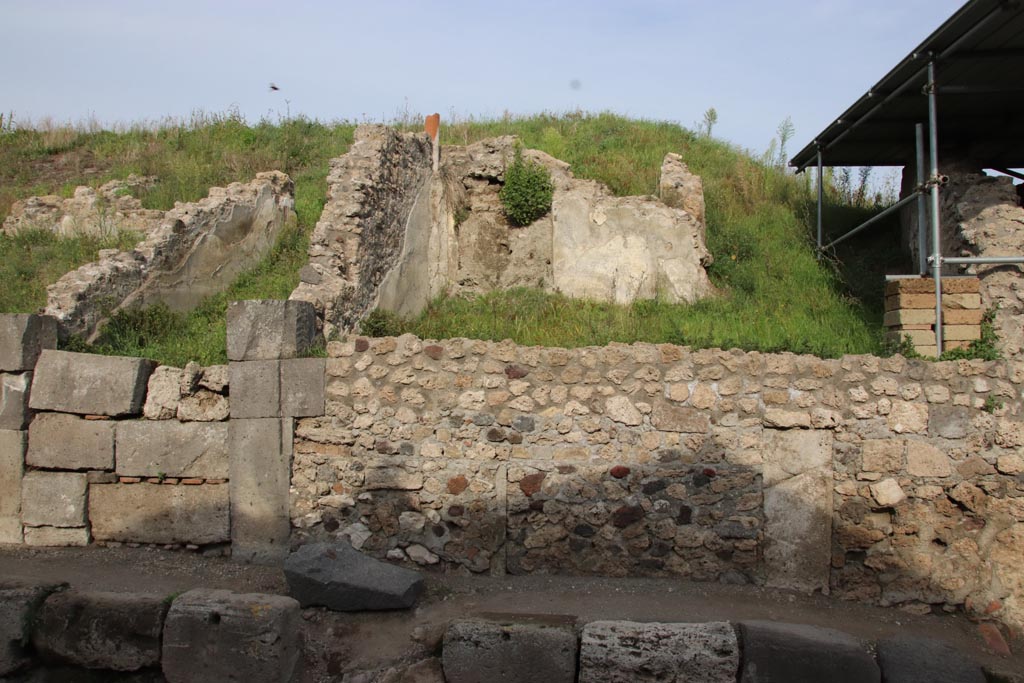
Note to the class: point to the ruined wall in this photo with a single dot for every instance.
(197, 250)
(371, 192)
(881, 480)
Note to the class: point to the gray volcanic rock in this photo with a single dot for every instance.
(338, 577)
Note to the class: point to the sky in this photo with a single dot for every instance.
(755, 61)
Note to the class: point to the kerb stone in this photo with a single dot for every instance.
(53, 499)
(149, 448)
(302, 387)
(18, 604)
(155, 513)
(217, 635)
(794, 652)
(12, 465)
(509, 653)
(114, 631)
(906, 659)
(255, 389)
(22, 338)
(270, 330)
(14, 411)
(66, 442)
(88, 384)
(260, 467)
(618, 651)
(340, 578)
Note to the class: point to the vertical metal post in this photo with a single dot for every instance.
(933, 144)
(922, 219)
(821, 194)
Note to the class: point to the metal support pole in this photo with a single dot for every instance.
(821, 195)
(871, 221)
(922, 221)
(977, 260)
(933, 144)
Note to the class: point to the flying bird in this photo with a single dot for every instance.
(273, 87)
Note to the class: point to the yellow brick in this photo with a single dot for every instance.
(909, 317)
(930, 351)
(950, 345)
(898, 301)
(961, 332)
(917, 337)
(961, 285)
(910, 285)
(960, 316)
(968, 301)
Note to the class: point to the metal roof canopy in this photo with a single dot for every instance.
(978, 55)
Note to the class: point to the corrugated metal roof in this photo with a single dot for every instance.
(979, 55)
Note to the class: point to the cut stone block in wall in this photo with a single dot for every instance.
(66, 442)
(12, 459)
(89, 384)
(112, 631)
(53, 499)
(22, 338)
(255, 389)
(155, 513)
(217, 635)
(798, 508)
(152, 448)
(302, 387)
(56, 536)
(270, 329)
(614, 651)
(260, 457)
(14, 411)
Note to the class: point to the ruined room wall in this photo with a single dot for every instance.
(197, 250)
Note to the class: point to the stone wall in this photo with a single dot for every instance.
(197, 250)
(882, 480)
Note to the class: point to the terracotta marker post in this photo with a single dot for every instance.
(433, 127)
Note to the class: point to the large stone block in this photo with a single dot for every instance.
(12, 465)
(509, 653)
(217, 635)
(255, 389)
(906, 659)
(787, 453)
(670, 418)
(14, 410)
(798, 532)
(22, 338)
(18, 605)
(150, 448)
(88, 384)
(270, 330)
(155, 513)
(260, 478)
(336, 576)
(302, 387)
(115, 631)
(66, 442)
(56, 536)
(794, 652)
(619, 651)
(53, 499)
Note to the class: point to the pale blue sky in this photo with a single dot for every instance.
(755, 61)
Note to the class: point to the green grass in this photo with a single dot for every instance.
(774, 294)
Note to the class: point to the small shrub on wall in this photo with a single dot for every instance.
(528, 190)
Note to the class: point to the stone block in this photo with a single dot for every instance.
(217, 635)
(302, 387)
(963, 301)
(53, 499)
(922, 316)
(340, 578)
(671, 418)
(89, 384)
(925, 460)
(14, 410)
(66, 442)
(163, 393)
(962, 317)
(917, 337)
(113, 631)
(910, 301)
(154, 513)
(255, 389)
(798, 532)
(54, 536)
(11, 530)
(949, 422)
(787, 453)
(614, 651)
(270, 329)
(509, 653)
(961, 332)
(22, 338)
(906, 659)
(12, 465)
(150, 448)
(775, 651)
(18, 606)
(260, 468)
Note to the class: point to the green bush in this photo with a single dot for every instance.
(381, 323)
(527, 192)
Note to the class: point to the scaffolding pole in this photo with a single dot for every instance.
(874, 219)
(922, 221)
(821, 201)
(933, 144)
